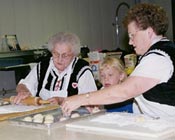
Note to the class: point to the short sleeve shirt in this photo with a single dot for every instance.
(155, 66)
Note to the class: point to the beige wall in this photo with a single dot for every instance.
(35, 20)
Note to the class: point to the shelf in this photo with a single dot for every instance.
(13, 58)
(21, 53)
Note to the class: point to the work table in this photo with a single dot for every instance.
(10, 131)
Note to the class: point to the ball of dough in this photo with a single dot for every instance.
(38, 116)
(48, 121)
(95, 110)
(75, 115)
(49, 117)
(5, 103)
(62, 119)
(27, 119)
(140, 119)
(38, 120)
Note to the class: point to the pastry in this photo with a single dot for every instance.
(48, 121)
(75, 115)
(27, 119)
(5, 103)
(38, 118)
(49, 117)
(63, 118)
(95, 110)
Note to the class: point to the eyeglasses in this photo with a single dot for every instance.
(63, 56)
(132, 36)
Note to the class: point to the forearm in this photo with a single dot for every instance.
(29, 83)
(105, 96)
(132, 87)
(116, 93)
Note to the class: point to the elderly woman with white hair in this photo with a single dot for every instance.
(60, 76)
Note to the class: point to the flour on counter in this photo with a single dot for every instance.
(17, 108)
(139, 120)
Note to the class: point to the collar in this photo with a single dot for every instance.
(157, 39)
(67, 70)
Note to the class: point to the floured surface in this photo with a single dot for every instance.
(17, 108)
(125, 119)
(126, 124)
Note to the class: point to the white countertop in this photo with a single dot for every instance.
(96, 126)
(11, 132)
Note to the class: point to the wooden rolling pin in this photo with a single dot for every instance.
(29, 100)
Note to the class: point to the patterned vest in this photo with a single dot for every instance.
(80, 66)
(163, 93)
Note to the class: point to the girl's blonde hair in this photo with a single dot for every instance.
(115, 63)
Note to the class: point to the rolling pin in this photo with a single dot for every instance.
(29, 100)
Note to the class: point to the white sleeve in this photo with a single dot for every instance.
(31, 81)
(86, 83)
(155, 66)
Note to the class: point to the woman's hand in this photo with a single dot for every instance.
(22, 93)
(72, 103)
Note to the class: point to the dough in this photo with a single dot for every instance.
(75, 115)
(62, 119)
(38, 118)
(140, 119)
(5, 103)
(27, 119)
(49, 117)
(48, 121)
(95, 110)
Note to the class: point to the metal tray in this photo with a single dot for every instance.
(56, 113)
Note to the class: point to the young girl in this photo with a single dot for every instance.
(112, 72)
